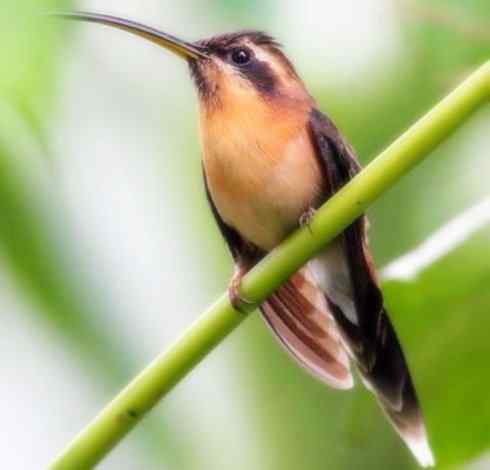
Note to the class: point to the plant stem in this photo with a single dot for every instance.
(154, 382)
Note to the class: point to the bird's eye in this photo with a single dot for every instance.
(240, 56)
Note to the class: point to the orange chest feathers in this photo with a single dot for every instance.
(261, 170)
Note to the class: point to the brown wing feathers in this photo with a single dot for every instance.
(298, 313)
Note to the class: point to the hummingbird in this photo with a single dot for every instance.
(270, 159)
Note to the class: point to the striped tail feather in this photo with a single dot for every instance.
(298, 314)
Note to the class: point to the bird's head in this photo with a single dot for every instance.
(245, 65)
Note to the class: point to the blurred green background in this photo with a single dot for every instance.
(108, 249)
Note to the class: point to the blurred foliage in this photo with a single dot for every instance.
(28, 62)
(441, 317)
(26, 237)
(37, 249)
(373, 112)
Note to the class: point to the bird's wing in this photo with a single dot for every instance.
(356, 301)
(299, 316)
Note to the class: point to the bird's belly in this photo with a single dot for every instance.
(257, 216)
(263, 197)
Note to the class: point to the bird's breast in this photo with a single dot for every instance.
(262, 174)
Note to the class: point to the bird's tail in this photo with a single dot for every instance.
(346, 275)
(389, 379)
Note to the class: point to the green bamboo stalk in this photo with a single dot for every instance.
(219, 320)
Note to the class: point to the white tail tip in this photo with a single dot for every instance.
(421, 450)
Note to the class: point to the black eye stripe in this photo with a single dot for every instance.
(261, 75)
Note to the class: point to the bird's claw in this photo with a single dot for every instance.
(236, 300)
(306, 218)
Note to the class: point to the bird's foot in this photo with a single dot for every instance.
(306, 218)
(237, 301)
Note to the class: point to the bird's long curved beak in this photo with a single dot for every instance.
(181, 48)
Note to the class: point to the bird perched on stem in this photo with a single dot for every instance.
(270, 158)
